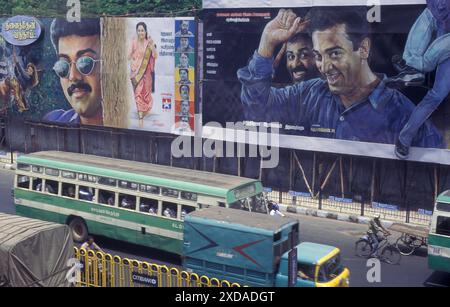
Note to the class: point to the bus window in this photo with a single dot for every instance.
(148, 205)
(128, 185)
(24, 167)
(88, 178)
(127, 201)
(107, 198)
(443, 225)
(221, 204)
(68, 175)
(186, 210)
(68, 190)
(189, 196)
(23, 182)
(149, 189)
(38, 169)
(170, 192)
(52, 172)
(107, 181)
(37, 184)
(169, 209)
(86, 193)
(51, 186)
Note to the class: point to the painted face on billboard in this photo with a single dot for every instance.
(141, 32)
(184, 41)
(79, 71)
(300, 61)
(336, 60)
(185, 107)
(184, 75)
(184, 60)
(184, 92)
(184, 27)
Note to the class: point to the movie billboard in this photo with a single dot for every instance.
(354, 78)
(131, 73)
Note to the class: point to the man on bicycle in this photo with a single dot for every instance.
(375, 227)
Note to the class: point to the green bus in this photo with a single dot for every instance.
(439, 236)
(137, 202)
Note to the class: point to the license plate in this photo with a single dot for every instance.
(435, 251)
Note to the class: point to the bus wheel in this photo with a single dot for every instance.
(79, 230)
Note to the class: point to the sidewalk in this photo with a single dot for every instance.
(344, 217)
(5, 160)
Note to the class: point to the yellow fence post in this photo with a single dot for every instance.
(127, 267)
(195, 280)
(204, 281)
(185, 279)
(110, 273)
(105, 270)
(175, 278)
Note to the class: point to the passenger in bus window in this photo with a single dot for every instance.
(85, 194)
(152, 210)
(71, 192)
(169, 213)
(38, 186)
(111, 201)
(144, 208)
(183, 213)
(127, 203)
(49, 189)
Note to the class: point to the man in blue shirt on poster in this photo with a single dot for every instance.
(351, 103)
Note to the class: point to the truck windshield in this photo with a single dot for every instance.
(330, 269)
(255, 203)
(258, 203)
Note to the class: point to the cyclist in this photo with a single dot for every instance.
(375, 227)
(275, 209)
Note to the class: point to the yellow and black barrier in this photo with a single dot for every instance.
(104, 270)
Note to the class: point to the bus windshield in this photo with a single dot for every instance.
(443, 225)
(443, 207)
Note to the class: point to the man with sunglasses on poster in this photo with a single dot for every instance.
(349, 102)
(77, 46)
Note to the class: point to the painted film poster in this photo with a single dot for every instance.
(350, 78)
(131, 73)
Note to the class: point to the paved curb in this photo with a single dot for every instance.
(333, 215)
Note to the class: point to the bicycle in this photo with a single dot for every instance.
(389, 252)
(408, 243)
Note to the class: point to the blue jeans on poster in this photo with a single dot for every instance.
(420, 52)
(425, 57)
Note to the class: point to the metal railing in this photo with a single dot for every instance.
(104, 270)
(352, 207)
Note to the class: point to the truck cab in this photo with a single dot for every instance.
(318, 265)
(254, 250)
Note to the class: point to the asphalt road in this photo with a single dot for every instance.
(411, 272)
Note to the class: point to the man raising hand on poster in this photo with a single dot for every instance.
(351, 103)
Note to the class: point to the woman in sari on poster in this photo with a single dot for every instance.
(142, 56)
